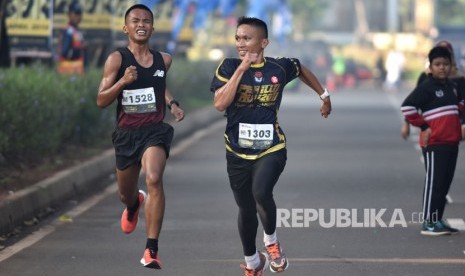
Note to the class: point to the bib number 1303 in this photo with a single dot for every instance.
(255, 136)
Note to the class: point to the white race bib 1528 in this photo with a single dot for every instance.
(139, 100)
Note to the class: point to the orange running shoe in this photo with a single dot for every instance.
(150, 259)
(129, 223)
(278, 260)
(259, 270)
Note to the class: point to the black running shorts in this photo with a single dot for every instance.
(264, 170)
(131, 143)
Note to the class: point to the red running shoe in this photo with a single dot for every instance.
(129, 223)
(278, 260)
(150, 259)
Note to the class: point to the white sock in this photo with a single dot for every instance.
(270, 239)
(252, 261)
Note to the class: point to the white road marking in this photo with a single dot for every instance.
(44, 231)
(196, 136)
(423, 261)
(48, 229)
(26, 242)
(457, 223)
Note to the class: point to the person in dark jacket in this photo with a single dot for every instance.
(5, 60)
(435, 106)
(72, 47)
(455, 76)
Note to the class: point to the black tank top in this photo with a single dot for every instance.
(143, 101)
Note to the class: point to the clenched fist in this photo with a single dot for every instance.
(130, 74)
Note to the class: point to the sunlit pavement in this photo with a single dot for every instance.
(349, 204)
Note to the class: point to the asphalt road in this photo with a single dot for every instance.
(349, 203)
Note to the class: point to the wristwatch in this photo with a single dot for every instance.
(325, 94)
(173, 101)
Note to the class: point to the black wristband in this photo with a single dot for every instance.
(173, 101)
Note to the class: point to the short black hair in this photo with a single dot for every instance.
(438, 52)
(244, 20)
(75, 7)
(138, 6)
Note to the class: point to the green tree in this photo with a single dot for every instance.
(450, 12)
(308, 13)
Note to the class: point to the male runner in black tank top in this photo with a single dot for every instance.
(136, 77)
(250, 90)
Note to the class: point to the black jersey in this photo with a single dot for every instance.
(252, 128)
(143, 101)
(435, 104)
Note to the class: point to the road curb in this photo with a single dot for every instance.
(80, 179)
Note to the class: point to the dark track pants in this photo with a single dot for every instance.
(252, 182)
(440, 163)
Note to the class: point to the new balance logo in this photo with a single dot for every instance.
(159, 73)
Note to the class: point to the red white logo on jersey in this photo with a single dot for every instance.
(274, 79)
(258, 76)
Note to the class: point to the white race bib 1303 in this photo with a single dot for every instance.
(255, 136)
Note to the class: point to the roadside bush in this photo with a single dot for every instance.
(189, 82)
(43, 113)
